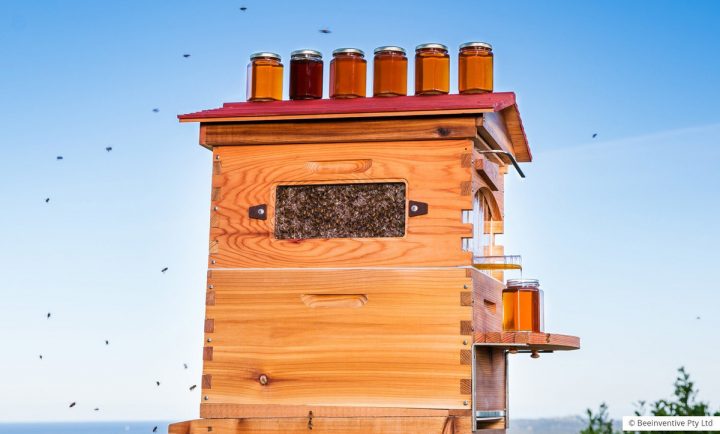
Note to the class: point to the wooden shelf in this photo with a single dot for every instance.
(528, 341)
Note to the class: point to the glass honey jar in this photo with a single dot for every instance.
(522, 301)
(432, 69)
(389, 71)
(348, 70)
(306, 74)
(265, 77)
(475, 68)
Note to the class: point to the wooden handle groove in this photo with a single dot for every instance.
(334, 300)
(339, 166)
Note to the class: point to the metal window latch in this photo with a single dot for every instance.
(258, 212)
(417, 208)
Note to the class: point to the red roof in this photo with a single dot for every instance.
(489, 102)
(375, 107)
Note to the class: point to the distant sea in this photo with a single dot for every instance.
(83, 428)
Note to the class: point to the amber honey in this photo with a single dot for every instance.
(522, 306)
(498, 266)
(475, 68)
(389, 71)
(306, 74)
(348, 70)
(265, 77)
(432, 69)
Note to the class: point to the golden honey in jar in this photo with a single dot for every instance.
(390, 71)
(432, 69)
(265, 77)
(348, 70)
(522, 301)
(306, 74)
(475, 68)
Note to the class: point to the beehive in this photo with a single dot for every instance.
(341, 293)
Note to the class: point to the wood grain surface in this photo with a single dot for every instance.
(491, 127)
(345, 130)
(221, 411)
(487, 306)
(488, 171)
(348, 425)
(530, 340)
(401, 348)
(245, 176)
(516, 131)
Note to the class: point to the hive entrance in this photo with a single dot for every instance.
(368, 210)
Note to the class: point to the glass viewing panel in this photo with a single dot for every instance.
(369, 210)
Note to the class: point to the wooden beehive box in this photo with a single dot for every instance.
(341, 295)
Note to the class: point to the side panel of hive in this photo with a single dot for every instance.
(352, 337)
(436, 172)
(490, 363)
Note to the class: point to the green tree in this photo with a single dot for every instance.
(600, 422)
(683, 403)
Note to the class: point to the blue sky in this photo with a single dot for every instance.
(621, 230)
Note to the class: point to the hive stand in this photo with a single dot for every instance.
(384, 325)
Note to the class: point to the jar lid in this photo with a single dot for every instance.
(349, 51)
(305, 53)
(392, 48)
(431, 45)
(476, 45)
(265, 54)
(523, 283)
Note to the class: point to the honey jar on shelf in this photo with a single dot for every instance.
(475, 68)
(265, 77)
(522, 301)
(348, 70)
(389, 71)
(306, 74)
(432, 69)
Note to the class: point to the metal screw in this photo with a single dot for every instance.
(465, 342)
(414, 208)
(465, 403)
(261, 211)
(206, 397)
(212, 261)
(215, 208)
(465, 287)
(263, 379)
(217, 157)
(209, 339)
(210, 287)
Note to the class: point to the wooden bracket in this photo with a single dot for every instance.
(488, 172)
(258, 212)
(417, 208)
